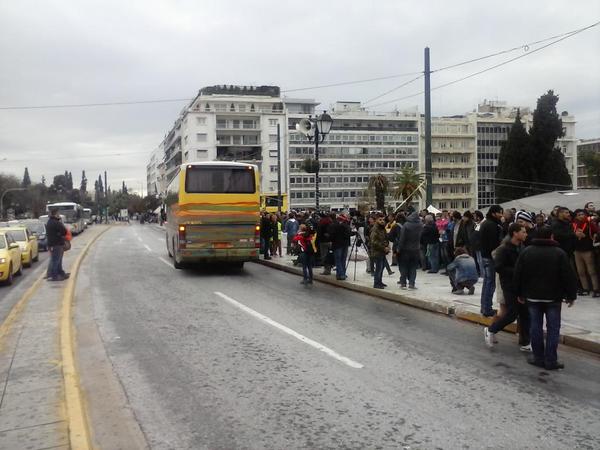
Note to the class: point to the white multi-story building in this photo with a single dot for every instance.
(586, 145)
(453, 161)
(153, 172)
(494, 121)
(229, 123)
(360, 144)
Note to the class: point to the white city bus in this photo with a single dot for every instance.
(73, 213)
(87, 216)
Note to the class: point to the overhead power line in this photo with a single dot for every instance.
(344, 83)
(86, 105)
(495, 66)
(395, 89)
(524, 47)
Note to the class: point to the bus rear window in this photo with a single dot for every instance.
(219, 180)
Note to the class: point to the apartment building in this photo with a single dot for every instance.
(494, 120)
(586, 145)
(227, 123)
(453, 161)
(360, 144)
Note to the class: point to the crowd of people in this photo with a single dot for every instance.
(537, 260)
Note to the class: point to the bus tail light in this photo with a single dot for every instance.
(257, 236)
(181, 236)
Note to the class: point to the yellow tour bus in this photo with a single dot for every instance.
(270, 201)
(213, 213)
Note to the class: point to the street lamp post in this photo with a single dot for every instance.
(2, 198)
(318, 130)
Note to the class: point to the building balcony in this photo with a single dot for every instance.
(440, 181)
(452, 165)
(453, 196)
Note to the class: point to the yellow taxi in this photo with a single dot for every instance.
(10, 258)
(28, 243)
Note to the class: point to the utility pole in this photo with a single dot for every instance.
(106, 196)
(317, 193)
(428, 168)
(279, 200)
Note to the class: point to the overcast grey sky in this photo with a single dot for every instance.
(72, 52)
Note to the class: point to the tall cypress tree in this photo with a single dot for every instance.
(26, 180)
(547, 127)
(83, 186)
(512, 174)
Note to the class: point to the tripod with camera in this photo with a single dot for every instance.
(358, 241)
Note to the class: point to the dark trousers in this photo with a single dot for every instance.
(408, 263)
(515, 311)
(537, 310)
(55, 264)
(308, 262)
(266, 247)
(340, 255)
(379, 266)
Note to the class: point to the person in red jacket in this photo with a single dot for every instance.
(585, 233)
(304, 239)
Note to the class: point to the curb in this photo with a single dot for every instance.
(442, 307)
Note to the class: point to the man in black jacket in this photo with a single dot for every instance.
(491, 235)
(543, 278)
(340, 233)
(505, 258)
(55, 233)
(562, 230)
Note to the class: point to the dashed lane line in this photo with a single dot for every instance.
(147, 248)
(315, 344)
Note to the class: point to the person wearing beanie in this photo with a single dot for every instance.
(491, 235)
(526, 219)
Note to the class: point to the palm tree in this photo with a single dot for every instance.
(407, 184)
(381, 185)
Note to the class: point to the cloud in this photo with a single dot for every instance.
(60, 52)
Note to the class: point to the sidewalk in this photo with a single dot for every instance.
(33, 411)
(580, 324)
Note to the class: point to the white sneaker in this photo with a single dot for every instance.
(489, 337)
(526, 348)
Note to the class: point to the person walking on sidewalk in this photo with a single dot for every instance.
(585, 233)
(491, 235)
(431, 238)
(544, 278)
(505, 259)
(379, 249)
(409, 246)
(305, 241)
(340, 241)
(56, 233)
(290, 228)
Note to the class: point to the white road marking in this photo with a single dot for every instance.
(160, 240)
(291, 332)
(166, 262)
(147, 248)
(140, 239)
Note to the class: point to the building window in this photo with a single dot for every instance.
(207, 107)
(232, 108)
(272, 122)
(201, 120)
(201, 137)
(242, 107)
(201, 154)
(252, 109)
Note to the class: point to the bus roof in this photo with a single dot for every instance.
(218, 163)
(62, 204)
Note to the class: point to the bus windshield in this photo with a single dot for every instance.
(219, 180)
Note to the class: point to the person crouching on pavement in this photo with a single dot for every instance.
(505, 258)
(462, 272)
(379, 249)
(544, 278)
(305, 241)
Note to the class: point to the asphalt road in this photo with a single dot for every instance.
(218, 358)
